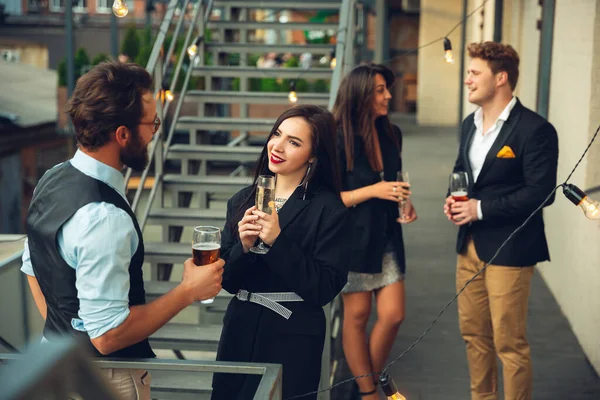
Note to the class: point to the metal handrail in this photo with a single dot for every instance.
(343, 64)
(180, 100)
(51, 367)
(153, 61)
(158, 137)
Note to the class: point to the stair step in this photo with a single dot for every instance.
(230, 71)
(211, 184)
(226, 124)
(268, 48)
(156, 289)
(233, 97)
(250, 25)
(281, 4)
(178, 385)
(241, 154)
(186, 217)
(187, 337)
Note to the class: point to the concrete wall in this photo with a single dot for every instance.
(574, 273)
(437, 86)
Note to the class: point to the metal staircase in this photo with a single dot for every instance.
(191, 176)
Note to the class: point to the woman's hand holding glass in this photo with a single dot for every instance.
(248, 229)
(269, 226)
(392, 191)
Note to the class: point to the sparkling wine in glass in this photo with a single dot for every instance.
(206, 248)
(265, 202)
(402, 176)
(459, 186)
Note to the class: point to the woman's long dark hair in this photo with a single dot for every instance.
(324, 171)
(354, 113)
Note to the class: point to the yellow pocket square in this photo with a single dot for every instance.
(505, 152)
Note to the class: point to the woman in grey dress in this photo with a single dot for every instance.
(369, 150)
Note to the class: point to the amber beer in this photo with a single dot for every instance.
(459, 196)
(205, 253)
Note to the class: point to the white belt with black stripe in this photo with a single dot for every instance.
(270, 300)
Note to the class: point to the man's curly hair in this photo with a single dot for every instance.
(500, 57)
(108, 96)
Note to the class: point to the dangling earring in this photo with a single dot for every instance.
(305, 181)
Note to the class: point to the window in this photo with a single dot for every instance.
(59, 5)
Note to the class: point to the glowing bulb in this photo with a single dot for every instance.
(591, 208)
(389, 388)
(332, 63)
(448, 57)
(193, 49)
(293, 96)
(169, 95)
(120, 8)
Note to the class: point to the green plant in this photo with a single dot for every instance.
(82, 62)
(62, 72)
(100, 57)
(144, 55)
(131, 43)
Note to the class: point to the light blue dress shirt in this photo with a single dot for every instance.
(98, 241)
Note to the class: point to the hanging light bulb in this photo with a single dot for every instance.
(333, 61)
(591, 208)
(166, 92)
(193, 49)
(119, 8)
(389, 388)
(448, 57)
(293, 96)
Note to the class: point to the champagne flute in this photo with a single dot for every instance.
(402, 176)
(459, 186)
(265, 201)
(206, 248)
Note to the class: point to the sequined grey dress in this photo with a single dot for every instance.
(364, 282)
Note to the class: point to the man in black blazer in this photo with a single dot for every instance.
(510, 155)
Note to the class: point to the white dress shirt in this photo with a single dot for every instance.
(98, 242)
(483, 141)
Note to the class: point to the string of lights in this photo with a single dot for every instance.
(448, 56)
(591, 210)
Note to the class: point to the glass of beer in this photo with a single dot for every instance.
(459, 186)
(265, 201)
(402, 176)
(206, 247)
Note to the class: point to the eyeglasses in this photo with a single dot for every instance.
(154, 124)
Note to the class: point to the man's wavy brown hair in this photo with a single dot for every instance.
(108, 96)
(500, 57)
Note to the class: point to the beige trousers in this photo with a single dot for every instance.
(492, 314)
(129, 384)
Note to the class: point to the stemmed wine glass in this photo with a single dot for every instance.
(265, 201)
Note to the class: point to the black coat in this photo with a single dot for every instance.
(510, 189)
(310, 257)
(373, 222)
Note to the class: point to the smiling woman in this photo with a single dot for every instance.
(369, 155)
(276, 315)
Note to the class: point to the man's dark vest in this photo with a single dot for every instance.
(60, 193)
